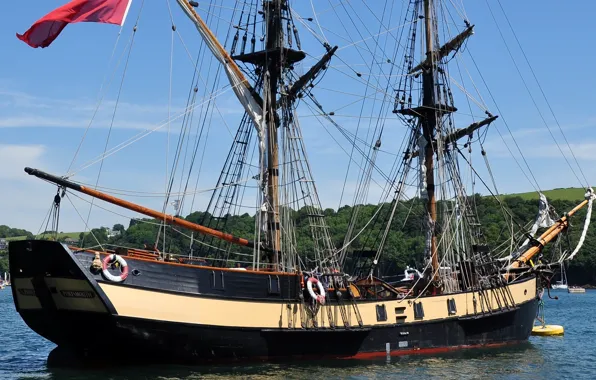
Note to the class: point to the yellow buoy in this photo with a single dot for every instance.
(548, 330)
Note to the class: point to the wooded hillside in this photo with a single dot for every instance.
(405, 243)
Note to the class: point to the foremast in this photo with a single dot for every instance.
(432, 136)
(429, 126)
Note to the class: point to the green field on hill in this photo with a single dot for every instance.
(15, 238)
(64, 235)
(568, 194)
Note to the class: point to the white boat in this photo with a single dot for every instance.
(576, 289)
(562, 284)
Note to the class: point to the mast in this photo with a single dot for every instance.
(429, 114)
(272, 75)
(279, 93)
(270, 63)
(429, 125)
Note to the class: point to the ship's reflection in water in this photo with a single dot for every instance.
(519, 362)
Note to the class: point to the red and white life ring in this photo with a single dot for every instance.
(321, 296)
(107, 261)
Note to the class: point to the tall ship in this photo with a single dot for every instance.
(287, 286)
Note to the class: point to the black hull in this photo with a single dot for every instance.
(94, 336)
(136, 341)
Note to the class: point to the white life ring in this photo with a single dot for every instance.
(321, 297)
(109, 259)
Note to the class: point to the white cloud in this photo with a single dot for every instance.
(20, 203)
(582, 151)
(19, 99)
(14, 158)
(22, 110)
(60, 122)
(25, 199)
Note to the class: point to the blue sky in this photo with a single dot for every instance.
(48, 96)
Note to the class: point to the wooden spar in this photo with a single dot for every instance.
(429, 124)
(547, 236)
(189, 8)
(444, 50)
(140, 209)
(310, 74)
(459, 133)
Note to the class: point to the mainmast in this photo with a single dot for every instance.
(271, 62)
(279, 92)
(273, 69)
(429, 126)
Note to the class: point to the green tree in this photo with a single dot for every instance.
(118, 227)
(405, 241)
(95, 236)
(7, 232)
(3, 264)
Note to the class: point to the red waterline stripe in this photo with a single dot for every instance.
(425, 351)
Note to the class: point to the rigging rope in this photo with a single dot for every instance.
(168, 189)
(534, 184)
(134, 30)
(100, 95)
(533, 100)
(144, 134)
(543, 94)
(83, 220)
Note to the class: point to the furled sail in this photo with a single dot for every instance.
(243, 90)
(543, 219)
(590, 196)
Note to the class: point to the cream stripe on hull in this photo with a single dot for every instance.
(155, 305)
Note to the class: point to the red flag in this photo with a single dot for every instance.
(46, 29)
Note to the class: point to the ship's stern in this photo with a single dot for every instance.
(56, 297)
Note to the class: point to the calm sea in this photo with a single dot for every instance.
(23, 356)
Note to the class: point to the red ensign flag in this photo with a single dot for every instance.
(46, 29)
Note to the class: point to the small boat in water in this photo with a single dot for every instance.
(576, 289)
(562, 284)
